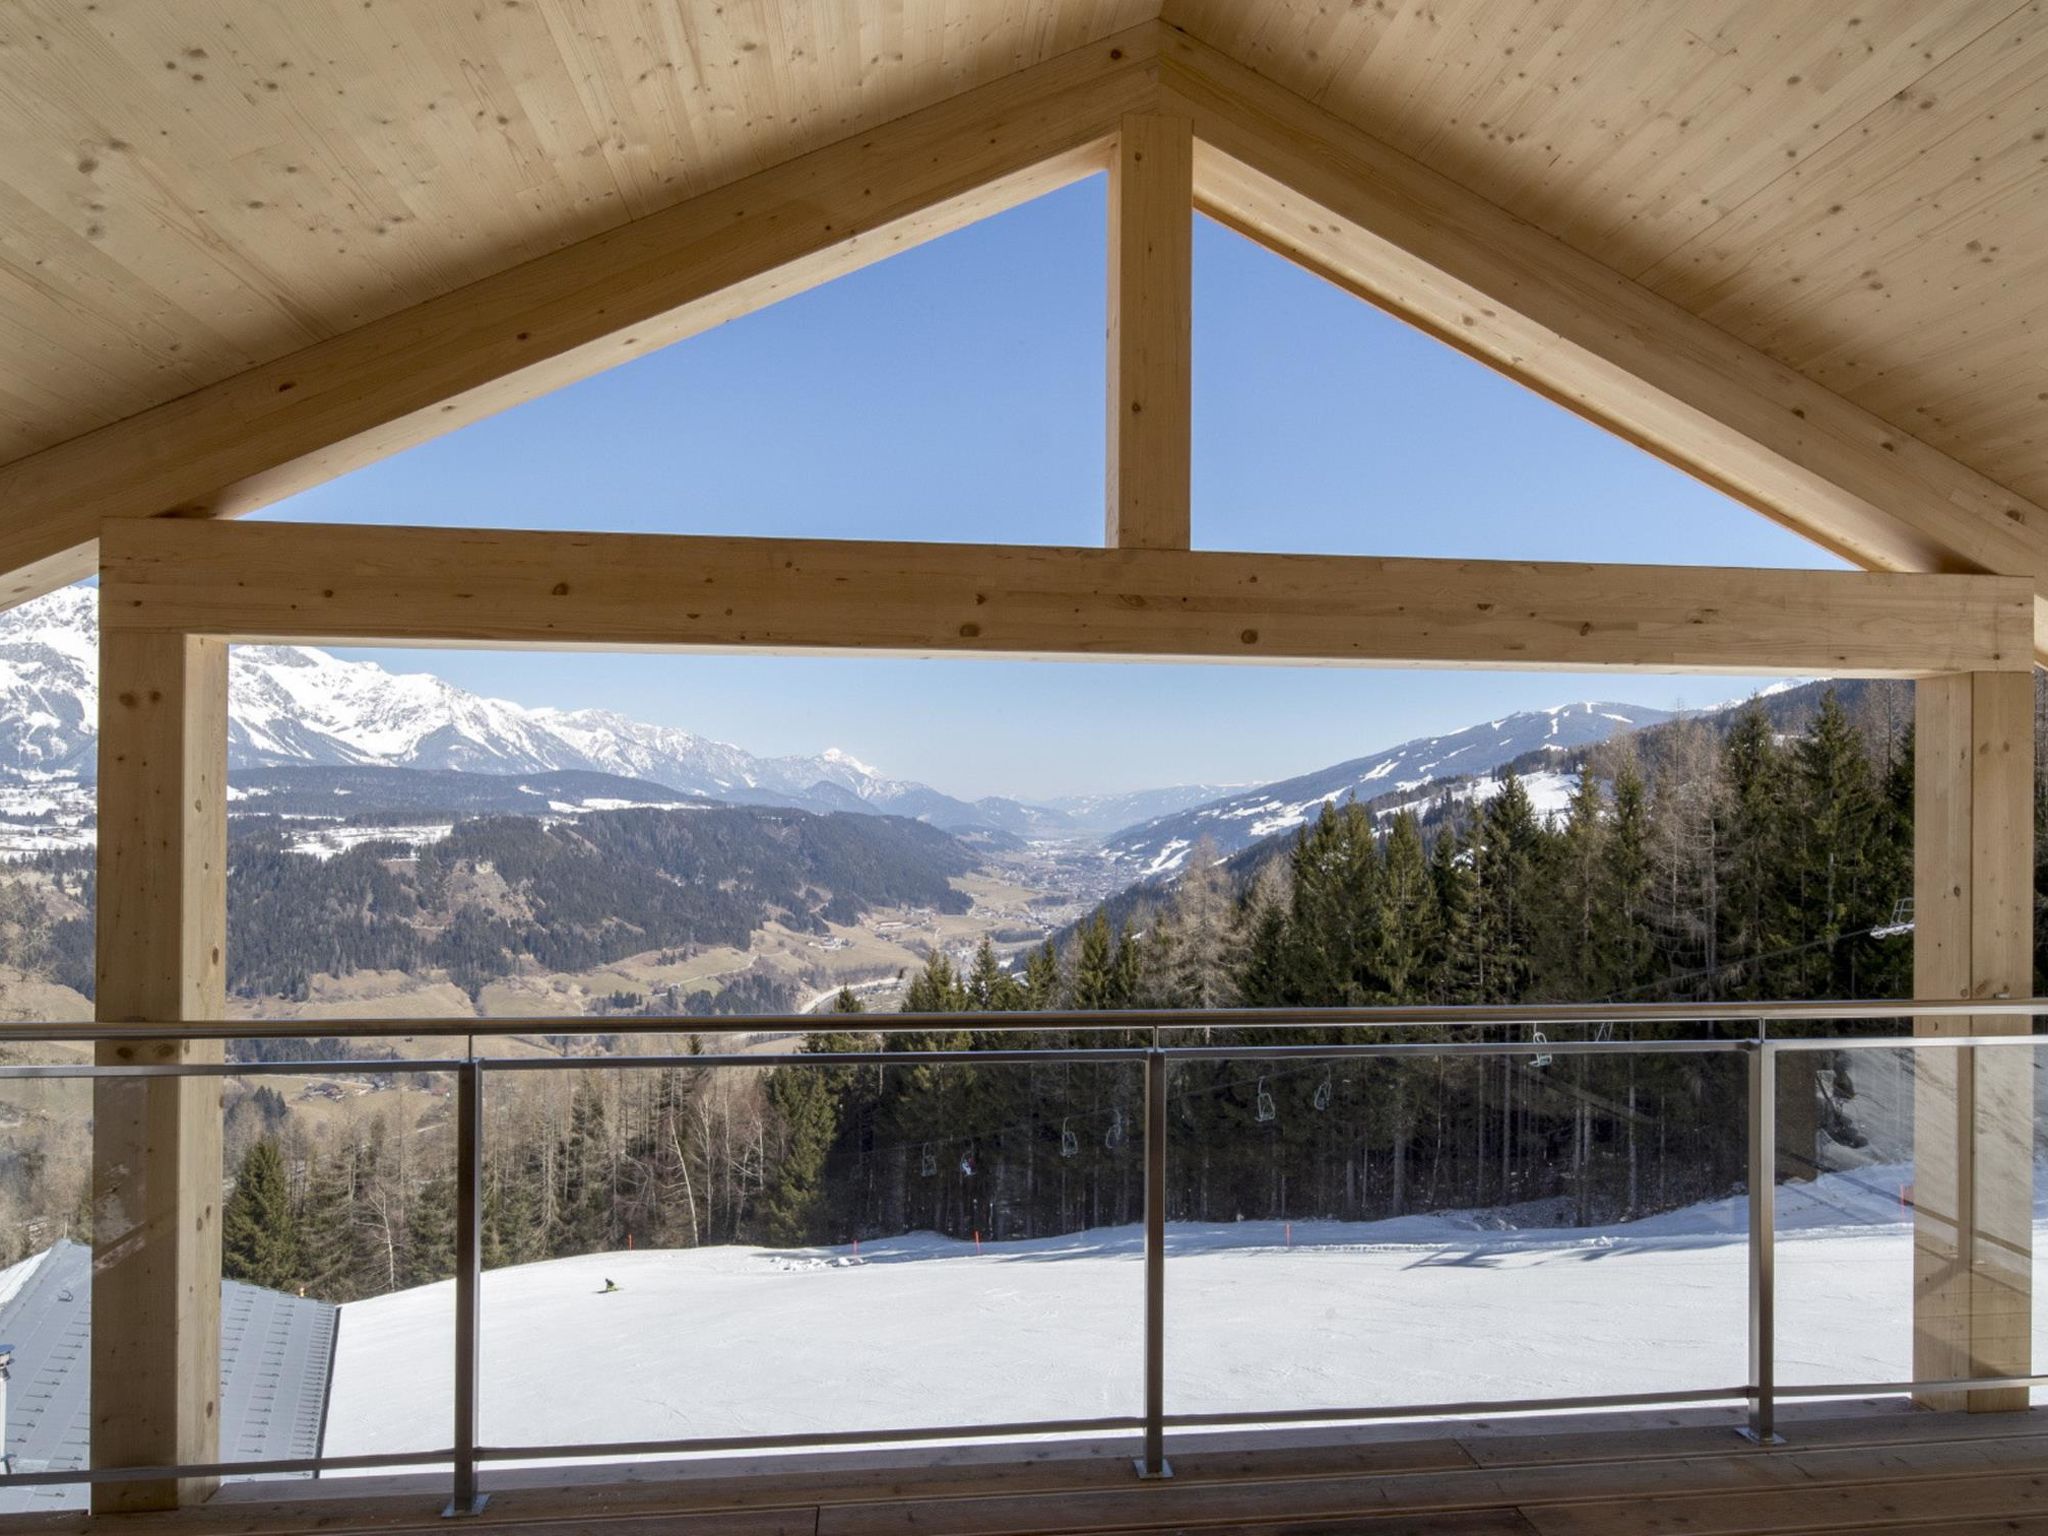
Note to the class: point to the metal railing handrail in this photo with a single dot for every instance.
(1389, 1016)
(467, 1451)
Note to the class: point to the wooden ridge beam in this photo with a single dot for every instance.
(315, 583)
(331, 407)
(1389, 229)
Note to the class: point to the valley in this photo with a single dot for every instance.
(347, 780)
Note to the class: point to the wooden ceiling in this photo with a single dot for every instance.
(191, 188)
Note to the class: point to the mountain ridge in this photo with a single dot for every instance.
(1158, 847)
(298, 706)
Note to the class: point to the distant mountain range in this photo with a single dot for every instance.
(298, 707)
(1160, 846)
(308, 729)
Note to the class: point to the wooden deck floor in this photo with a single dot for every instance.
(1876, 1469)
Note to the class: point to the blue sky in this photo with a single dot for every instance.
(956, 392)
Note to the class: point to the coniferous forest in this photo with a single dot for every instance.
(1745, 863)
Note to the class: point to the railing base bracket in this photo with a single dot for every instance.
(1145, 1474)
(1755, 1438)
(475, 1506)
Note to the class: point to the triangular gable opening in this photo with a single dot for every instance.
(1324, 424)
(950, 392)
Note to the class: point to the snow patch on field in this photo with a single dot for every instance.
(926, 1330)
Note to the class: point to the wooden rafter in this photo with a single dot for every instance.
(279, 428)
(1400, 234)
(1264, 160)
(315, 583)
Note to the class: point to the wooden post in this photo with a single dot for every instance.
(1973, 937)
(157, 1141)
(1151, 294)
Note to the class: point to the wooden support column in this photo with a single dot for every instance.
(1151, 293)
(157, 1141)
(1973, 937)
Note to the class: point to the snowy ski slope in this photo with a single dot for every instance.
(924, 1331)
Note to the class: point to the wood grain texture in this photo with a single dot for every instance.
(1859, 1473)
(1973, 859)
(190, 191)
(284, 425)
(162, 932)
(1850, 187)
(1151, 298)
(327, 584)
(1408, 237)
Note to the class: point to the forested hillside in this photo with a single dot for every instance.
(501, 892)
(1745, 863)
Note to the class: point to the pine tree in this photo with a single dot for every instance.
(430, 1231)
(1837, 814)
(1096, 981)
(990, 988)
(1573, 957)
(586, 1205)
(327, 1228)
(936, 988)
(1042, 978)
(1453, 967)
(1507, 868)
(1757, 918)
(805, 1107)
(1408, 921)
(1629, 956)
(258, 1229)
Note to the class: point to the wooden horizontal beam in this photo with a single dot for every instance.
(1394, 231)
(304, 582)
(279, 428)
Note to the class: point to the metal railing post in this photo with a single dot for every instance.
(1153, 1463)
(469, 1247)
(1763, 1233)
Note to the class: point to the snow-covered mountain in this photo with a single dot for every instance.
(295, 705)
(1159, 846)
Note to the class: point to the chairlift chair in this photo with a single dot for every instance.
(1070, 1139)
(1323, 1092)
(1542, 1060)
(1263, 1105)
(1114, 1136)
(928, 1161)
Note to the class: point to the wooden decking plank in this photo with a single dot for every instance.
(1485, 1522)
(1630, 1482)
(1957, 1474)
(1874, 1505)
(1710, 1439)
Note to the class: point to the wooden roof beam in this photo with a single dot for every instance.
(1391, 230)
(323, 584)
(276, 429)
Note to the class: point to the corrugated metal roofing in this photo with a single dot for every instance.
(277, 1352)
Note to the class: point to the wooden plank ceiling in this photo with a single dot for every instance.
(1855, 187)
